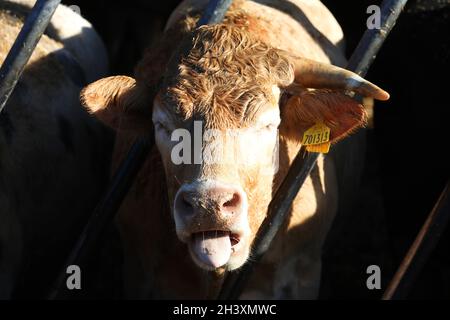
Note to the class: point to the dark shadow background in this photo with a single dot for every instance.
(407, 163)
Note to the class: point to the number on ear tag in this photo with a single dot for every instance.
(316, 138)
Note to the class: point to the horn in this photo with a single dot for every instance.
(313, 74)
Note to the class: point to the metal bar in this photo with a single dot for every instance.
(361, 59)
(214, 12)
(372, 40)
(420, 250)
(278, 210)
(123, 179)
(106, 209)
(22, 49)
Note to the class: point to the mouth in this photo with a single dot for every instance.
(213, 249)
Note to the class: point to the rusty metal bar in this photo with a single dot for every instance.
(420, 250)
(22, 49)
(123, 178)
(360, 61)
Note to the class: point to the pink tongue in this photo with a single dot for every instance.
(213, 248)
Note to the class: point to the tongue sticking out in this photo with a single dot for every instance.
(213, 248)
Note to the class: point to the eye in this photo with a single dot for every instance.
(160, 127)
(270, 127)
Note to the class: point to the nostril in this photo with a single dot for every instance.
(233, 202)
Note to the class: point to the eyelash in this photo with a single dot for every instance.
(270, 127)
(160, 126)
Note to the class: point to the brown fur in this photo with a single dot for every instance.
(226, 75)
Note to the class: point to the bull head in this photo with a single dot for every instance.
(229, 82)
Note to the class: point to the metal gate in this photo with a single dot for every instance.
(360, 61)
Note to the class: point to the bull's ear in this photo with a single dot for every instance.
(336, 110)
(119, 102)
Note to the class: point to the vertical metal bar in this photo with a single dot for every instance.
(360, 61)
(421, 248)
(22, 49)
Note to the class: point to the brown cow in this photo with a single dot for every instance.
(260, 70)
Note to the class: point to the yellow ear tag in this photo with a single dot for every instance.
(320, 148)
(316, 138)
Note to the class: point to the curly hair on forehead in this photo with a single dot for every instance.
(228, 72)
